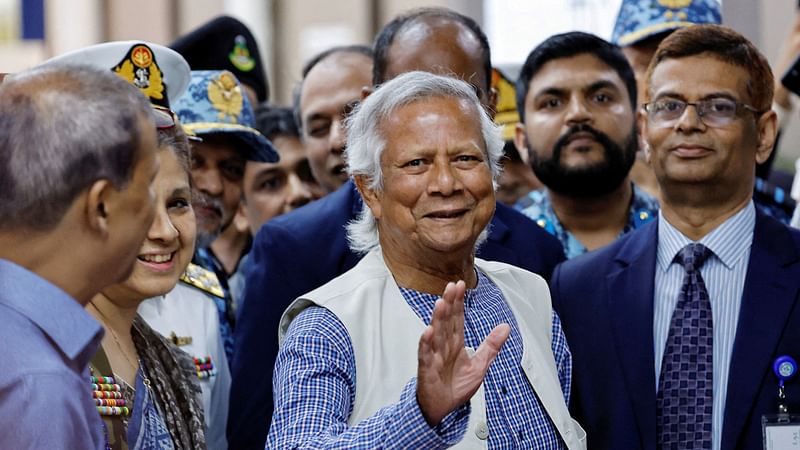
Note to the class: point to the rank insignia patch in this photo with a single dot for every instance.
(139, 68)
(180, 341)
(240, 55)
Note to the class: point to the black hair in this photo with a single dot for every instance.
(272, 120)
(385, 37)
(571, 44)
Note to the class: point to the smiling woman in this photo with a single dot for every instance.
(154, 395)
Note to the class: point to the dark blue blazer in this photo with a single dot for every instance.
(605, 300)
(300, 251)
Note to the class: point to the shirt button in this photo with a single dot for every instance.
(481, 430)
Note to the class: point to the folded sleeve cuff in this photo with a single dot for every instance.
(415, 431)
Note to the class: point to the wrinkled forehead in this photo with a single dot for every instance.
(431, 123)
(429, 110)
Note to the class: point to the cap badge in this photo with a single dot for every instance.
(140, 69)
(225, 96)
(240, 55)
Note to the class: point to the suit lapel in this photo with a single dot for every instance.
(766, 302)
(493, 249)
(354, 204)
(630, 299)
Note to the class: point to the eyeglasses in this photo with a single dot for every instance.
(714, 112)
(164, 117)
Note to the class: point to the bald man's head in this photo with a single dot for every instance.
(434, 40)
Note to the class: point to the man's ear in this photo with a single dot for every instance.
(96, 212)
(366, 91)
(767, 131)
(368, 194)
(240, 218)
(521, 142)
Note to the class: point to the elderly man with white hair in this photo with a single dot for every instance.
(376, 358)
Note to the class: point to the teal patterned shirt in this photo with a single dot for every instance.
(537, 206)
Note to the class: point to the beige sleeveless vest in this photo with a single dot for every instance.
(385, 332)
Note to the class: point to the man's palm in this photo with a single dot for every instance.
(447, 376)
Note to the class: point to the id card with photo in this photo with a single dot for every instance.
(781, 432)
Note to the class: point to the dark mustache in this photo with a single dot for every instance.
(562, 141)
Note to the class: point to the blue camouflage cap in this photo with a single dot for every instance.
(640, 19)
(214, 103)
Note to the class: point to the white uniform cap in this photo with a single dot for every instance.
(174, 71)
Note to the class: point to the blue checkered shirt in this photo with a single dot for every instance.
(315, 385)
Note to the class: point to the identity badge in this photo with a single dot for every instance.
(779, 436)
(781, 431)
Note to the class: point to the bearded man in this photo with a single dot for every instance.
(576, 96)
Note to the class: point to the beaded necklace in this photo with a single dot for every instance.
(107, 395)
(106, 392)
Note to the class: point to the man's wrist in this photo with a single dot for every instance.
(418, 433)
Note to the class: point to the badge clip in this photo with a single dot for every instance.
(782, 431)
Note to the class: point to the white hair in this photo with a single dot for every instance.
(365, 143)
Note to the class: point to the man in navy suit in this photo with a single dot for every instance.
(707, 121)
(306, 248)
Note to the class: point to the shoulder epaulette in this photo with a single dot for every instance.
(203, 279)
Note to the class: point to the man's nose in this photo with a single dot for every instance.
(577, 111)
(690, 119)
(338, 136)
(444, 179)
(299, 193)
